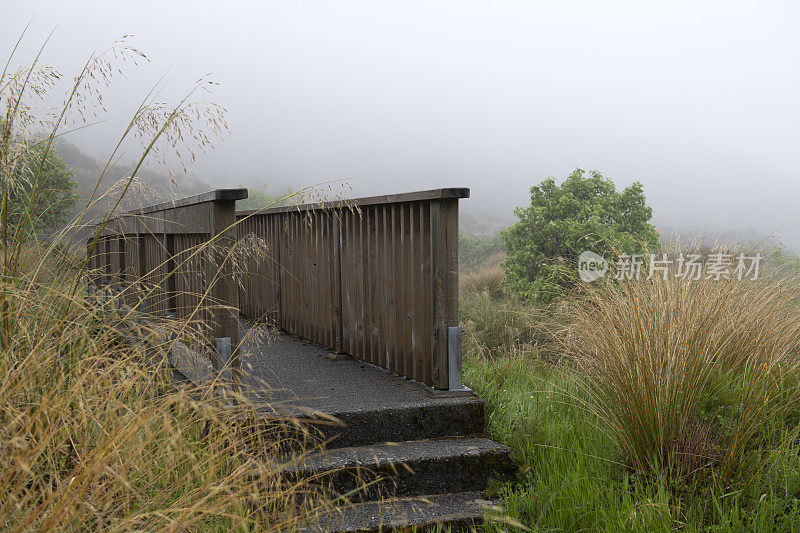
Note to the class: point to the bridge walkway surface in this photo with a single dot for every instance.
(422, 452)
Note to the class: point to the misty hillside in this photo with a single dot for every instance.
(713, 237)
(481, 224)
(151, 186)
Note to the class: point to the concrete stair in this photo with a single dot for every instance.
(422, 454)
(409, 468)
(449, 417)
(404, 456)
(458, 512)
(404, 468)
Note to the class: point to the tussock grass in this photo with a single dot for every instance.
(657, 355)
(572, 477)
(671, 405)
(497, 328)
(488, 279)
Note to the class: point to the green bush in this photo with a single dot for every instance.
(41, 192)
(476, 251)
(583, 213)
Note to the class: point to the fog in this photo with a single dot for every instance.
(697, 100)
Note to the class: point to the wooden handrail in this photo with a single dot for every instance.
(433, 194)
(211, 196)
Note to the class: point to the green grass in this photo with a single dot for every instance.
(572, 478)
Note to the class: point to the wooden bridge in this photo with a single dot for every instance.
(365, 295)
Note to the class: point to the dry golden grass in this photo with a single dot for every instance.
(94, 436)
(488, 280)
(653, 354)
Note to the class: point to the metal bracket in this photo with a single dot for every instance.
(454, 359)
(221, 354)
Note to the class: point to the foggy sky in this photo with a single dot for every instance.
(696, 99)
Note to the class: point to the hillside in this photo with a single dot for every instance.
(151, 185)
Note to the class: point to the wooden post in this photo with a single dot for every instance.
(444, 229)
(225, 293)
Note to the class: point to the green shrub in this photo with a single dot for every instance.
(583, 213)
(473, 252)
(41, 193)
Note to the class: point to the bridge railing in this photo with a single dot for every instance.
(174, 258)
(376, 278)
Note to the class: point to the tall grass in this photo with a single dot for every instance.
(663, 404)
(93, 433)
(572, 478)
(498, 325)
(95, 436)
(683, 375)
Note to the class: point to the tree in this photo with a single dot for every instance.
(585, 212)
(41, 192)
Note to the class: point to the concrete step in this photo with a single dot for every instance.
(458, 511)
(454, 417)
(449, 417)
(409, 468)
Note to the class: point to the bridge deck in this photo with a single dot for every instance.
(289, 371)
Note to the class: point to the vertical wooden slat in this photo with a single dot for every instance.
(408, 285)
(317, 308)
(288, 280)
(426, 326)
(369, 290)
(277, 270)
(112, 247)
(385, 284)
(362, 295)
(170, 278)
(393, 331)
(141, 270)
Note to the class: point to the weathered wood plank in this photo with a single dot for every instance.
(337, 282)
